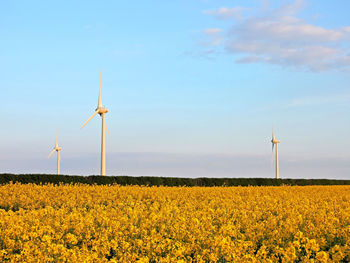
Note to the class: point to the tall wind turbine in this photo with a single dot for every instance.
(102, 111)
(57, 149)
(275, 141)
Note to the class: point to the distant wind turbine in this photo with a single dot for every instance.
(275, 141)
(102, 111)
(57, 149)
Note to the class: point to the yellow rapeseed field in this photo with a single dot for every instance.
(81, 223)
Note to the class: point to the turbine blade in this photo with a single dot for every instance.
(93, 115)
(107, 130)
(99, 94)
(273, 146)
(51, 153)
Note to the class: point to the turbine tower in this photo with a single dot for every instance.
(57, 149)
(102, 111)
(275, 141)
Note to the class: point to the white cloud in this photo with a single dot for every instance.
(291, 9)
(286, 30)
(346, 29)
(224, 13)
(319, 100)
(249, 59)
(213, 37)
(279, 37)
(212, 31)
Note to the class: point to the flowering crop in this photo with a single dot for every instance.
(82, 223)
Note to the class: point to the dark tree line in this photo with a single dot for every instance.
(164, 181)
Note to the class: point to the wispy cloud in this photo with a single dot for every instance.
(319, 100)
(213, 37)
(224, 13)
(279, 37)
(309, 101)
(212, 31)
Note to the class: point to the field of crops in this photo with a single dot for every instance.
(81, 223)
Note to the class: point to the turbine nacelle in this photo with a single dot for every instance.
(274, 141)
(101, 110)
(57, 149)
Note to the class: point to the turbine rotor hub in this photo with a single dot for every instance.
(101, 110)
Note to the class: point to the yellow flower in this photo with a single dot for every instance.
(82, 223)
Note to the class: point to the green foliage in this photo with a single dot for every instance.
(157, 181)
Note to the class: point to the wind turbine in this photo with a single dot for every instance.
(275, 141)
(102, 111)
(57, 149)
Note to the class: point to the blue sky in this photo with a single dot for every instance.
(193, 87)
